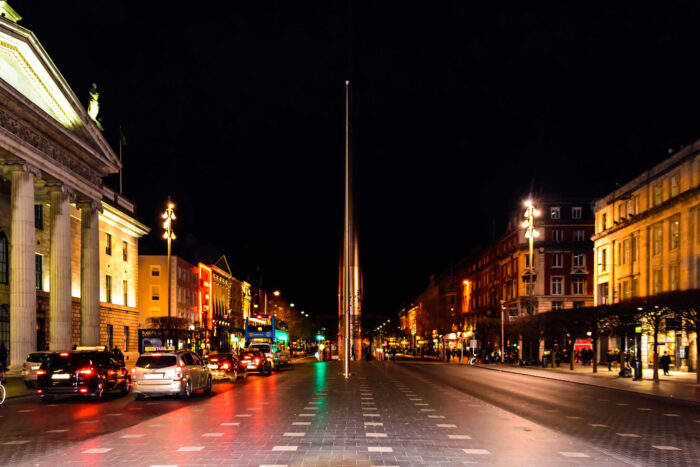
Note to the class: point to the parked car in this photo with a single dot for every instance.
(226, 366)
(31, 366)
(85, 372)
(298, 352)
(170, 372)
(255, 360)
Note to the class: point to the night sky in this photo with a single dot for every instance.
(236, 110)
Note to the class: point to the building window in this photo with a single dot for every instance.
(108, 247)
(635, 202)
(674, 276)
(556, 213)
(527, 260)
(5, 324)
(557, 285)
(557, 260)
(126, 338)
(675, 227)
(604, 260)
(108, 288)
(576, 212)
(657, 281)
(38, 216)
(125, 284)
(658, 195)
(579, 304)
(155, 271)
(605, 221)
(635, 287)
(675, 184)
(4, 258)
(557, 235)
(626, 251)
(579, 235)
(578, 260)
(125, 250)
(621, 211)
(628, 207)
(110, 337)
(578, 286)
(603, 294)
(634, 247)
(626, 293)
(155, 292)
(39, 265)
(557, 305)
(658, 238)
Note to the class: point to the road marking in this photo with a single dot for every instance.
(97, 451)
(301, 423)
(420, 403)
(476, 451)
(21, 441)
(603, 400)
(370, 414)
(131, 436)
(295, 433)
(307, 414)
(459, 436)
(114, 414)
(154, 424)
(622, 403)
(627, 435)
(310, 408)
(598, 425)
(366, 398)
(374, 424)
(25, 410)
(190, 448)
(416, 399)
(666, 448)
(253, 408)
(244, 415)
(164, 465)
(643, 408)
(366, 402)
(369, 408)
(263, 403)
(573, 417)
(427, 410)
(57, 431)
(552, 410)
(671, 415)
(315, 402)
(212, 435)
(52, 405)
(284, 448)
(89, 421)
(135, 408)
(436, 416)
(573, 454)
(375, 435)
(273, 465)
(379, 449)
(446, 425)
(230, 424)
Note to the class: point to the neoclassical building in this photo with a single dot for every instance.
(68, 244)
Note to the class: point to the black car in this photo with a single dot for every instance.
(255, 360)
(86, 373)
(226, 366)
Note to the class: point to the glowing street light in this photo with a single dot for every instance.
(530, 233)
(292, 305)
(169, 235)
(276, 293)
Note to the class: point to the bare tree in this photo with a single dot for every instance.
(165, 328)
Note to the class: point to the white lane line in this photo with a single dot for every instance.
(271, 465)
(627, 435)
(57, 431)
(666, 448)
(598, 425)
(427, 410)
(375, 435)
(459, 437)
(253, 408)
(573, 417)
(295, 433)
(436, 416)
(370, 414)
(671, 415)
(131, 436)
(379, 449)
(420, 404)
(367, 403)
(374, 424)
(369, 408)
(190, 448)
(315, 402)
(97, 451)
(301, 423)
(476, 451)
(25, 411)
(622, 404)
(213, 435)
(310, 408)
(89, 421)
(307, 414)
(243, 415)
(230, 424)
(416, 399)
(21, 441)
(114, 414)
(446, 425)
(644, 408)
(573, 454)
(284, 448)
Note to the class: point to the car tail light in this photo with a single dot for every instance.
(24, 365)
(225, 366)
(133, 371)
(156, 355)
(40, 372)
(111, 372)
(178, 371)
(257, 361)
(213, 360)
(85, 371)
(83, 389)
(64, 354)
(40, 391)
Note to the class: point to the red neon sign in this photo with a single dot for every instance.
(205, 292)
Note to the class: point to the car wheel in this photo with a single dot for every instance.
(187, 391)
(235, 376)
(127, 386)
(207, 388)
(99, 391)
(46, 399)
(245, 374)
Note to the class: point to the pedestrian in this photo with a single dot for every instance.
(611, 357)
(665, 363)
(618, 359)
(3, 356)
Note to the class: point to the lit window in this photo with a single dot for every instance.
(557, 305)
(675, 184)
(557, 285)
(658, 194)
(657, 281)
(578, 286)
(658, 238)
(155, 292)
(675, 227)
(578, 260)
(108, 246)
(155, 271)
(556, 213)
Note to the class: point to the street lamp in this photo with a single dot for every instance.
(169, 235)
(276, 293)
(530, 234)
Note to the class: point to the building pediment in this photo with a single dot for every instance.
(28, 72)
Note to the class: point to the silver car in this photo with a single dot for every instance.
(30, 367)
(163, 373)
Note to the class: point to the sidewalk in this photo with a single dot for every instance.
(679, 385)
(15, 387)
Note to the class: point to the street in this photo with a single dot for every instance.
(388, 413)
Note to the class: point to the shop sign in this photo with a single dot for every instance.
(638, 329)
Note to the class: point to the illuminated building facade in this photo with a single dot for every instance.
(153, 289)
(647, 242)
(58, 284)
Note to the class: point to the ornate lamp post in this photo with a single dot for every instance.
(169, 235)
(530, 234)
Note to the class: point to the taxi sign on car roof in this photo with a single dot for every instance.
(90, 347)
(159, 348)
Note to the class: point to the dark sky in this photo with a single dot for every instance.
(235, 109)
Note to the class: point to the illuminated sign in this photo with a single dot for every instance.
(320, 337)
(205, 292)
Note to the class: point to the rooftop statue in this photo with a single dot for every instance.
(93, 106)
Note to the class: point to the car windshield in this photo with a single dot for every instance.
(35, 358)
(219, 356)
(262, 347)
(67, 363)
(151, 362)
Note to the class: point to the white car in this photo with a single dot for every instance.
(168, 372)
(276, 355)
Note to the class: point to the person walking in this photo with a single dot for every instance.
(611, 358)
(118, 355)
(3, 356)
(665, 363)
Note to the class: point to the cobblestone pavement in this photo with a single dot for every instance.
(386, 414)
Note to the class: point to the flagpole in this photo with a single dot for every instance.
(347, 299)
(120, 163)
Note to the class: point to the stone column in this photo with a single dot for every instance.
(89, 274)
(60, 302)
(22, 267)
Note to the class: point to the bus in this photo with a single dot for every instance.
(270, 335)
